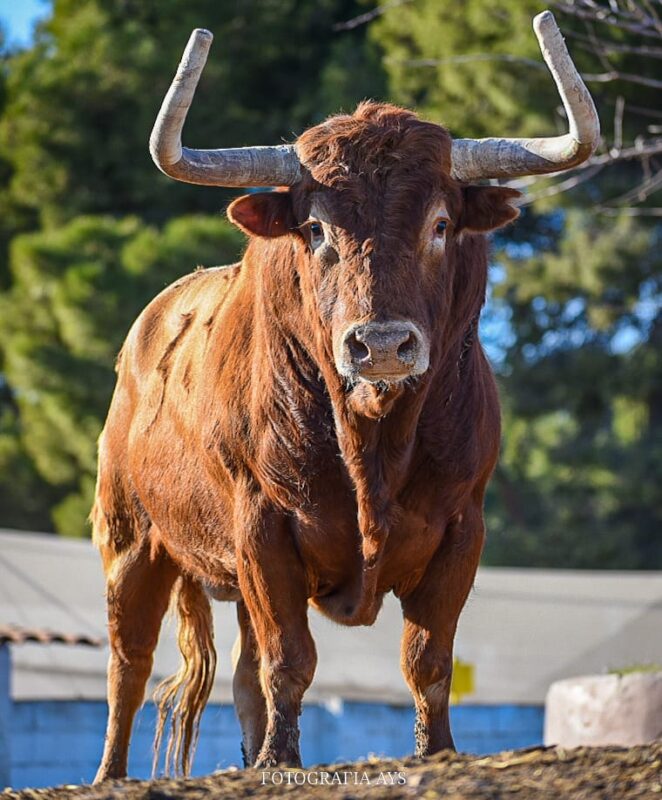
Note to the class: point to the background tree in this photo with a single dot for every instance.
(75, 292)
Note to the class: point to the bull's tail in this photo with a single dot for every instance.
(182, 697)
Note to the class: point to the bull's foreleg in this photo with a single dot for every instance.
(431, 613)
(249, 700)
(273, 586)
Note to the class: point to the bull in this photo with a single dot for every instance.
(315, 425)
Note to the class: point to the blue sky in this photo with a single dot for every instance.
(18, 17)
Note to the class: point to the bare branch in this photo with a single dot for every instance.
(642, 150)
(653, 16)
(611, 48)
(564, 185)
(466, 59)
(648, 186)
(630, 211)
(604, 77)
(643, 50)
(638, 150)
(646, 112)
(597, 47)
(364, 19)
(622, 18)
(600, 15)
(618, 126)
(614, 75)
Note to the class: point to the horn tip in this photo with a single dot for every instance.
(202, 33)
(544, 23)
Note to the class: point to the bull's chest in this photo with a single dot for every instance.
(329, 537)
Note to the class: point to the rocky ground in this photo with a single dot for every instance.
(543, 773)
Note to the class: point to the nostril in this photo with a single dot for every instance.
(408, 349)
(358, 351)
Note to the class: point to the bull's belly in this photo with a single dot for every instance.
(190, 516)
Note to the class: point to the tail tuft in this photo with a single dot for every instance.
(182, 697)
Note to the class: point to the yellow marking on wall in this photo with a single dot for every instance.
(463, 682)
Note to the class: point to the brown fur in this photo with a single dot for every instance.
(236, 456)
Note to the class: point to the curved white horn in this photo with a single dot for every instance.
(240, 166)
(509, 158)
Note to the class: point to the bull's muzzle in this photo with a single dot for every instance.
(383, 351)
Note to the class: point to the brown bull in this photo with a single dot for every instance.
(315, 425)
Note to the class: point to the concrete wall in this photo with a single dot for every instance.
(55, 742)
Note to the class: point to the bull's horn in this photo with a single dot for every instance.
(240, 166)
(509, 158)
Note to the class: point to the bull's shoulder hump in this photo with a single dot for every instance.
(194, 295)
(215, 279)
(187, 294)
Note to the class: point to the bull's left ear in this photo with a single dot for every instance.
(487, 208)
(263, 214)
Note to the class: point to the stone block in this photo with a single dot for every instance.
(597, 710)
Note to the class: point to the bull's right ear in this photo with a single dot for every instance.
(263, 214)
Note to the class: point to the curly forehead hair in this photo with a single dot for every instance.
(376, 138)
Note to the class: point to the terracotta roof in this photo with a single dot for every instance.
(16, 634)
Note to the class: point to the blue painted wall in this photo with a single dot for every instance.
(55, 742)
(5, 716)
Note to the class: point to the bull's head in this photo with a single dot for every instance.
(382, 208)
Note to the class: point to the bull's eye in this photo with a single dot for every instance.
(316, 234)
(440, 227)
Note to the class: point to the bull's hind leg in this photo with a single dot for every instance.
(249, 700)
(431, 613)
(138, 585)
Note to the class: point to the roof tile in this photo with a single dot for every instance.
(16, 634)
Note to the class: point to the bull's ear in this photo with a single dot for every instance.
(263, 214)
(487, 208)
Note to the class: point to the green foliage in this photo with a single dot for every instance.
(25, 497)
(447, 59)
(476, 67)
(636, 669)
(582, 447)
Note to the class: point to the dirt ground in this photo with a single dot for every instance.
(543, 773)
